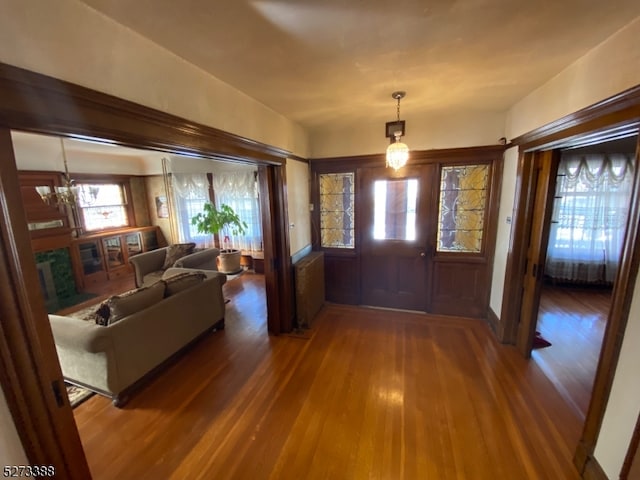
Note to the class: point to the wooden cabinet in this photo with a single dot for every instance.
(105, 256)
(92, 267)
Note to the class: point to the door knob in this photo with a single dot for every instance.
(422, 254)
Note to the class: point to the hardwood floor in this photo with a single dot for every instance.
(372, 394)
(573, 320)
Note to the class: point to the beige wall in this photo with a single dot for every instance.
(51, 38)
(43, 152)
(624, 403)
(608, 69)
(503, 236)
(155, 188)
(298, 205)
(11, 451)
(440, 130)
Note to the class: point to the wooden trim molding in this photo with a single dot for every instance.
(616, 325)
(493, 320)
(417, 157)
(298, 159)
(593, 470)
(43, 419)
(618, 109)
(633, 453)
(64, 107)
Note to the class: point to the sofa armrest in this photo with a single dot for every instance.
(74, 333)
(147, 262)
(203, 260)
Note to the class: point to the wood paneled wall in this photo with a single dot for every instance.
(463, 283)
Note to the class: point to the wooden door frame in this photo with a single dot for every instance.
(633, 452)
(618, 110)
(546, 163)
(39, 104)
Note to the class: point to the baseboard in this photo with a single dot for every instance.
(493, 320)
(593, 470)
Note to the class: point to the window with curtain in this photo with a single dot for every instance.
(190, 193)
(589, 217)
(239, 190)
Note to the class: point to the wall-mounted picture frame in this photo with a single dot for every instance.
(162, 210)
(392, 127)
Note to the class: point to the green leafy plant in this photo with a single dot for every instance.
(216, 220)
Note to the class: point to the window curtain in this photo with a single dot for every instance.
(239, 190)
(589, 217)
(190, 191)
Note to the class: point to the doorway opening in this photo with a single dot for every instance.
(586, 231)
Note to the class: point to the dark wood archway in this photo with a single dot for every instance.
(619, 110)
(30, 373)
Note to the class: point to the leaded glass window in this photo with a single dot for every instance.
(337, 210)
(463, 201)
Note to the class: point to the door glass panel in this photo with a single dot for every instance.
(337, 210)
(395, 209)
(463, 200)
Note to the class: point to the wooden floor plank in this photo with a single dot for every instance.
(372, 394)
(573, 319)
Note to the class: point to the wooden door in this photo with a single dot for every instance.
(394, 232)
(546, 167)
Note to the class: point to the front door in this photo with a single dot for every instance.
(394, 237)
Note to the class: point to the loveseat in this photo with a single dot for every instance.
(142, 330)
(149, 267)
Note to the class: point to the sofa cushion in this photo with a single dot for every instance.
(119, 306)
(176, 252)
(151, 278)
(182, 281)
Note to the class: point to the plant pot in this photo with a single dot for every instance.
(229, 261)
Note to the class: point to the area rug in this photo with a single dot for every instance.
(77, 395)
(540, 342)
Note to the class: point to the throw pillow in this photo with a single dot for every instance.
(182, 281)
(121, 306)
(102, 314)
(176, 252)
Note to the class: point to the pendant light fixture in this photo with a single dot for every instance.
(397, 152)
(67, 194)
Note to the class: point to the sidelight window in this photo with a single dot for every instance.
(337, 226)
(462, 207)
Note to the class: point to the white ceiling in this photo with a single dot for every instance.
(322, 61)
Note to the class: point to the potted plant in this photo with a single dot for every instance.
(225, 222)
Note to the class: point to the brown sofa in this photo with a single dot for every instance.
(112, 359)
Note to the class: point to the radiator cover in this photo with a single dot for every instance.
(309, 279)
